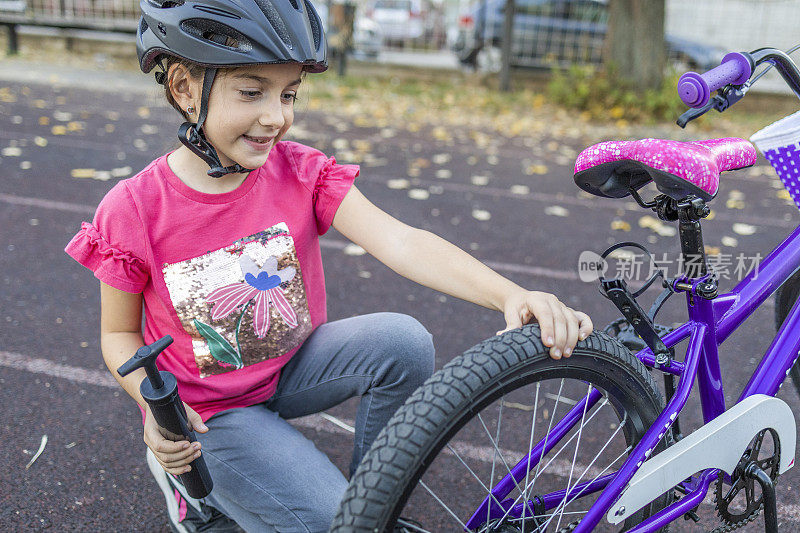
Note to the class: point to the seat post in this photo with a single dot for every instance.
(690, 210)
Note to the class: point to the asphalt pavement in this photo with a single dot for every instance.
(67, 136)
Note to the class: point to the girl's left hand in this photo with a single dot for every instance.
(561, 326)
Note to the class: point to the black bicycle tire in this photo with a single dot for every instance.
(396, 459)
(785, 298)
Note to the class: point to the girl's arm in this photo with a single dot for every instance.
(120, 337)
(430, 260)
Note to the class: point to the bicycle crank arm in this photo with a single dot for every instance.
(719, 444)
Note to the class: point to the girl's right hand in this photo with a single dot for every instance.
(173, 451)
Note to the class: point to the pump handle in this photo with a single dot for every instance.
(146, 355)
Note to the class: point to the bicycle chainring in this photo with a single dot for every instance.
(733, 519)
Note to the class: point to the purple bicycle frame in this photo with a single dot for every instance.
(710, 323)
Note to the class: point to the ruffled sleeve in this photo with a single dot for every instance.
(327, 180)
(112, 246)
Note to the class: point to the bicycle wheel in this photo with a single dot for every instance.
(467, 427)
(785, 297)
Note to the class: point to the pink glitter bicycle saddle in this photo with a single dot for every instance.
(612, 168)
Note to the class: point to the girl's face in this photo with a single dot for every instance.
(250, 108)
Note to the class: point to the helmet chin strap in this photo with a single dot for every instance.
(192, 136)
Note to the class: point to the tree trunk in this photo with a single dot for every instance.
(635, 41)
(508, 36)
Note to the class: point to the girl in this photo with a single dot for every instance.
(218, 241)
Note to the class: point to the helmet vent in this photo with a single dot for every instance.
(217, 11)
(314, 20)
(294, 4)
(217, 33)
(142, 26)
(275, 21)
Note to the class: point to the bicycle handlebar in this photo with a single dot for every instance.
(695, 89)
(732, 78)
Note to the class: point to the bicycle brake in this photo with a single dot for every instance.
(617, 291)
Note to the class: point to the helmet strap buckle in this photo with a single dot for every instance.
(191, 135)
(194, 140)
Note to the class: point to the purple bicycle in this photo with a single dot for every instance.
(506, 439)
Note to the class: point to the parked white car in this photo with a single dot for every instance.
(367, 34)
(367, 38)
(400, 20)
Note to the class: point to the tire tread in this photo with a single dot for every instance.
(393, 456)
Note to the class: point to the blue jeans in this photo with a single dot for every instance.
(267, 475)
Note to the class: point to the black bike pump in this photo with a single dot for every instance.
(160, 391)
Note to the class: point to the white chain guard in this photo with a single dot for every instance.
(718, 444)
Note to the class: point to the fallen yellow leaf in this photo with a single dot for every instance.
(734, 204)
(536, 169)
(744, 229)
(620, 225)
(82, 173)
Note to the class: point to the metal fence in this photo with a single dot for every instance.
(563, 32)
(546, 32)
(107, 15)
(99, 10)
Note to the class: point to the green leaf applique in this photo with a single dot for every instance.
(220, 348)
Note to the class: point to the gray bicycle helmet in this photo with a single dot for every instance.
(227, 33)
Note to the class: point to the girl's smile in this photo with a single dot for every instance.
(259, 143)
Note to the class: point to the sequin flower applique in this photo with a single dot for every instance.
(261, 289)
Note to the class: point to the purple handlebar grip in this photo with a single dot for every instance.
(695, 89)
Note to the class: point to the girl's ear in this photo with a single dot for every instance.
(183, 87)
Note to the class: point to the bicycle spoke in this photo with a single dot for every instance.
(625, 452)
(563, 447)
(496, 451)
(597, 455)
(532, 483)
(575, 455)
(446, 508)
(409, 525)
(560, 399)
(488, 490)
(536, 476)
(549, 427)
(544, 516)
(530, 447)
(521, 519)
(502, 458)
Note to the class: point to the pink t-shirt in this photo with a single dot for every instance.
(235, 278)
